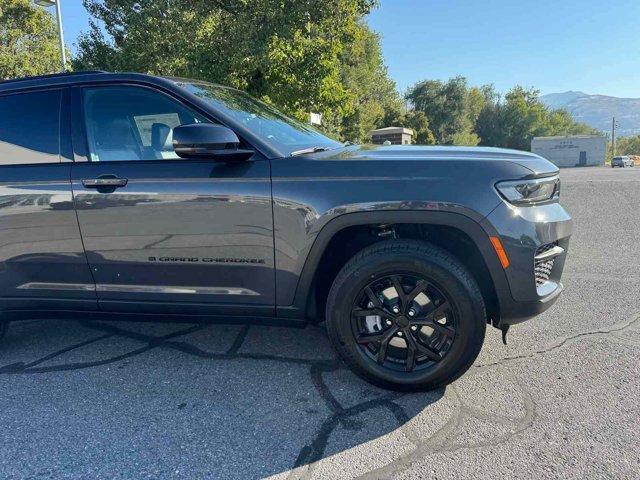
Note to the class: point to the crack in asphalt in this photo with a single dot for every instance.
(445, 439)
(308, 454)
(561, 342)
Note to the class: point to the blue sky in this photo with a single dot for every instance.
(587, 45)
(560, 45)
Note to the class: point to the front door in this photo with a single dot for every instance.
(164, 234)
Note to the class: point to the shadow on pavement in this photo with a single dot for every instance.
(163, 399)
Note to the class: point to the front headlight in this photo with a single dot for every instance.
(530, 192)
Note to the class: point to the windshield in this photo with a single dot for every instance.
(284, 134)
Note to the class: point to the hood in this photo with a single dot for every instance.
(534, 163)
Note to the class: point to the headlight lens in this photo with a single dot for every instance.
(530, 192)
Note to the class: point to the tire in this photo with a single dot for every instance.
(449, 287)
(4, 326)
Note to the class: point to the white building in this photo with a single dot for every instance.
(571, 151)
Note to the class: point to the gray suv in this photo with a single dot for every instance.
(622, 162)
(132, 196)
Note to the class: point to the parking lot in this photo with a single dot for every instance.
(141, 400)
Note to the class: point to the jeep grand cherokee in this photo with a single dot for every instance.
(127, 195)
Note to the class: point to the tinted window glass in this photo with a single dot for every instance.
(30, 128)
(129, 123)
(285, 134)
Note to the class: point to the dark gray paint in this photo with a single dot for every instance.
(203, 209)
(39, 238)
(311, 190)
(178, 209)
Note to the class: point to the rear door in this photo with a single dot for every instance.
(168, 235)
(42, 261)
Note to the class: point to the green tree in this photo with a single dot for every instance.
(371, 92)
(628, 145)
(28, 40)
(514, 122)
(465, 138)
(396, 114)
(288, 53)
(419, 123)
(451, 107)
(444, 104)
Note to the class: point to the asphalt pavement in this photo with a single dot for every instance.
(127, 400)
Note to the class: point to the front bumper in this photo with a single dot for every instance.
(528, 233)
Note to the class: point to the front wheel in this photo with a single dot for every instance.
(407, 315)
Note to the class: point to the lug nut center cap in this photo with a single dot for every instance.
(402, 321)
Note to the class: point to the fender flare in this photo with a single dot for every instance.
(478, 233)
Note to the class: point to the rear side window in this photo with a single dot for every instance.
(30, 128)
(132, 123)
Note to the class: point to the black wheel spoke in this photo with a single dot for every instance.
(417, 290)
(429, 320)
(395, 280)
(438, 327)
(384, 343)
(373, 298)
(365, 338)
(423, 349)
(432, 315)
(411, 351)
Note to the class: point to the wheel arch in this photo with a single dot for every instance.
(461, 230)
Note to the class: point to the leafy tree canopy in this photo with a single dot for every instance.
(463, 115)
(303, 56)
(451, 107)
(365, 78)
(28, 40)
(628, 145)
(307, 56)
(514, 122)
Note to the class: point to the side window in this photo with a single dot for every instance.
(131, 123)
(30, 128)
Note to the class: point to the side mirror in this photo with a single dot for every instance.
(208, 140)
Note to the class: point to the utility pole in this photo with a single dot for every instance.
(613, 137)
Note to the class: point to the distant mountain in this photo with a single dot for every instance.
(598, 110)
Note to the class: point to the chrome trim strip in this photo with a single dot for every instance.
(175, 289)
(549, 254)
(85, 287)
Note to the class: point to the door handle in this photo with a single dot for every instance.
(104, 181)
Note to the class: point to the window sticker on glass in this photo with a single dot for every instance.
(145, 122)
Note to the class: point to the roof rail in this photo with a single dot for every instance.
(52, 75)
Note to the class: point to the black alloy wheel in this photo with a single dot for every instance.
(403, 322)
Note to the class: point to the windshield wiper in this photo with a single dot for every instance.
(309, 150)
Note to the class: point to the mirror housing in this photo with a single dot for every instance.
(208, 140)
